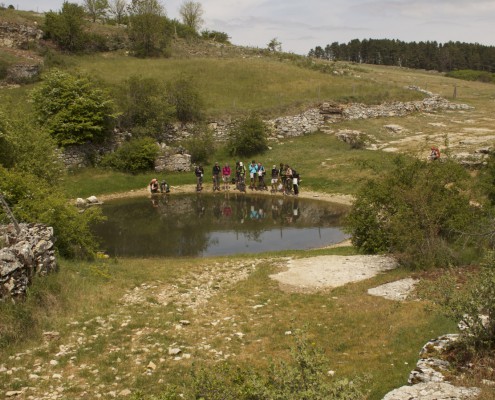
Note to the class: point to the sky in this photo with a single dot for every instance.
(301, 25)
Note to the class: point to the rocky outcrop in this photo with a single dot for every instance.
(29, 253)
(18, 36)
(23, 73)
(173, 163)
(88, 154)
(427, 380)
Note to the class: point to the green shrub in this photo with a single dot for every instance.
(472, 75)
(184, 96)
(201, 146)
(137, 155)
(4, 67)
(147, 28)
(220, 37)
(469, 299)
(28, 149)
(72, 108)
(419, 211)
(304, 377)
(145, 107)
(34, 200)
(248, 137)
(66, 27)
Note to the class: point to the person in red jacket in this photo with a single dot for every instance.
(226, 176)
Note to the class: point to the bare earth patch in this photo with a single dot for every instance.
(327, 272)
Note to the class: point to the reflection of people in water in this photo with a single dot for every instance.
(217, 211)
(200, 208)
(295, 210)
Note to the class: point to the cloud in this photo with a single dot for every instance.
(302, 25)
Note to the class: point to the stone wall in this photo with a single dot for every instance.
(29, 253)
(280, 128)
(88, 154)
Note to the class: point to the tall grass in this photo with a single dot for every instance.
(237, 86)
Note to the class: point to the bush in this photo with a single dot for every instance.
(419, 211)
(248, 137)
(66, 27)
(184, 96)
(472, 304)
(72, 108)
(34, 200)
(29, 150)
(4, 69)
(220, 37)
(145, 107)
(137, 155)
(201, 146)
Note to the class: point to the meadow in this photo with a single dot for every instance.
(117, 318)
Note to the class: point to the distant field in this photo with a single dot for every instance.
(237, 86)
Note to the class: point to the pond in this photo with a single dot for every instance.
(205, 225)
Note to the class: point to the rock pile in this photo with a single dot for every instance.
(427, 381)
(400, 109)
(29, 253)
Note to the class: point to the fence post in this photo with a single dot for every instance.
(9, 213)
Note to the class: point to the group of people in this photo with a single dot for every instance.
(162, 187)
(283, 178)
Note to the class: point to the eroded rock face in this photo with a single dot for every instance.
(18, 36)
(29, 253)
(23, 73)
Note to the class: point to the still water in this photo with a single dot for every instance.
(204, 225)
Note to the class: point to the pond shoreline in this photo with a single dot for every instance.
(331, 198)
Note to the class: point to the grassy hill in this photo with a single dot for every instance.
(113, 316)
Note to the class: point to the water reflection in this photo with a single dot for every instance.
(195, 225)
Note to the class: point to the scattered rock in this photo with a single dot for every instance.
(398, 290)
(432, 391)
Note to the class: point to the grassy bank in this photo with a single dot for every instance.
(326, 165)
(116, 316)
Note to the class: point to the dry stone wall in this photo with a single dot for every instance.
(280, 128)
(29, 253)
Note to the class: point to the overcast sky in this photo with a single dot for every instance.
(302, 25)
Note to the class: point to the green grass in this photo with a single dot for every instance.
(237, 86)
(343, 171)
(343, 323)
(93, 181)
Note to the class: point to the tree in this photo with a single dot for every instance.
(118, 10)
(192, 13)
(248, 137)
(72, 108)
(145, 106)
(66, 27)
(185, 98)
(274, 45)
(97, 9)
(147, 28)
